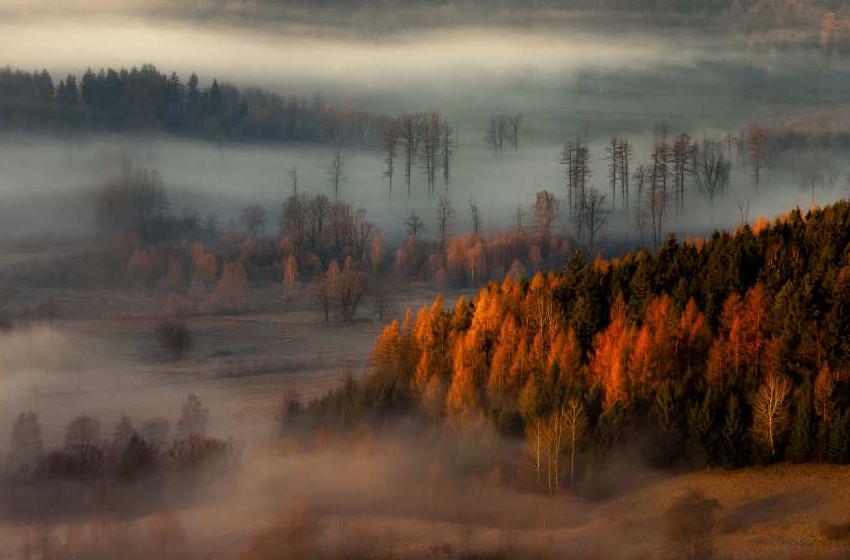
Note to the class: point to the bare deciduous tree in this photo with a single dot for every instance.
(619, 152)
(336, 173)
(712, 171)
(475, 217)
(293, 181)
(576, 426)
(415, 226)
(513, 126)
(445, 215)
(757, 140)
(390, 148)
(683, 155)
(556, 438)
(448, 147)
(430, 152)
(497, 128)
(519, 217)
(771, 412)
(575, 157)
(744, 211)
(409, 134)
(535, 433)
(596, 214)
(382, 300)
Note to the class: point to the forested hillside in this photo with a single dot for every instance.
(725, 351)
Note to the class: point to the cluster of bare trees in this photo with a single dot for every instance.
(586, 206)
(503, 129)
(314, 229)
(575, 157)
(128, 453)
(549, 438)
(675, 166)
(342, 289)
(132, 198)
(427, 140)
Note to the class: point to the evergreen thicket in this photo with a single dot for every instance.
(143, 98)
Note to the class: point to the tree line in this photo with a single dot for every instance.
(127, 453)
(323, 244)
(143, 98)
(726, 352)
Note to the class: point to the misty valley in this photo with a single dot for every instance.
(424, 280)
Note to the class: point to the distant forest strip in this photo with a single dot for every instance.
(815, 23)
(142, 98)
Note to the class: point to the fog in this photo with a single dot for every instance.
(50, 185)
(308, 59)
(305, 493)
(563, 83)
(404, 491)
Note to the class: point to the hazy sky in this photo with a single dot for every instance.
(462, 55)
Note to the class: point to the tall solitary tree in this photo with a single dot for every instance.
(475, 217)
(771, 413)
(712, 171)
(448, 147)
(445, 215)
(575, 420)
(514, 123)
(336, 173)
(596, 214)
(409, 134)
(391, 136)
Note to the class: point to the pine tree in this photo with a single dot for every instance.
(800, 441)
(667, 424)
(838, 443)
(609, 428)
(702, 438)
(732, 436)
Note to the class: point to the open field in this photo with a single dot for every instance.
(105, 361)
(777, 512)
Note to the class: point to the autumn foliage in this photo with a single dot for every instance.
(723, 352)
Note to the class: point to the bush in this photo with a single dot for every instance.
(174, 338)
(690, 527)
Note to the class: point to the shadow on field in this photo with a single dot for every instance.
(766, 510)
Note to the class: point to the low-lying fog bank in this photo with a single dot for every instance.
(50, 186)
